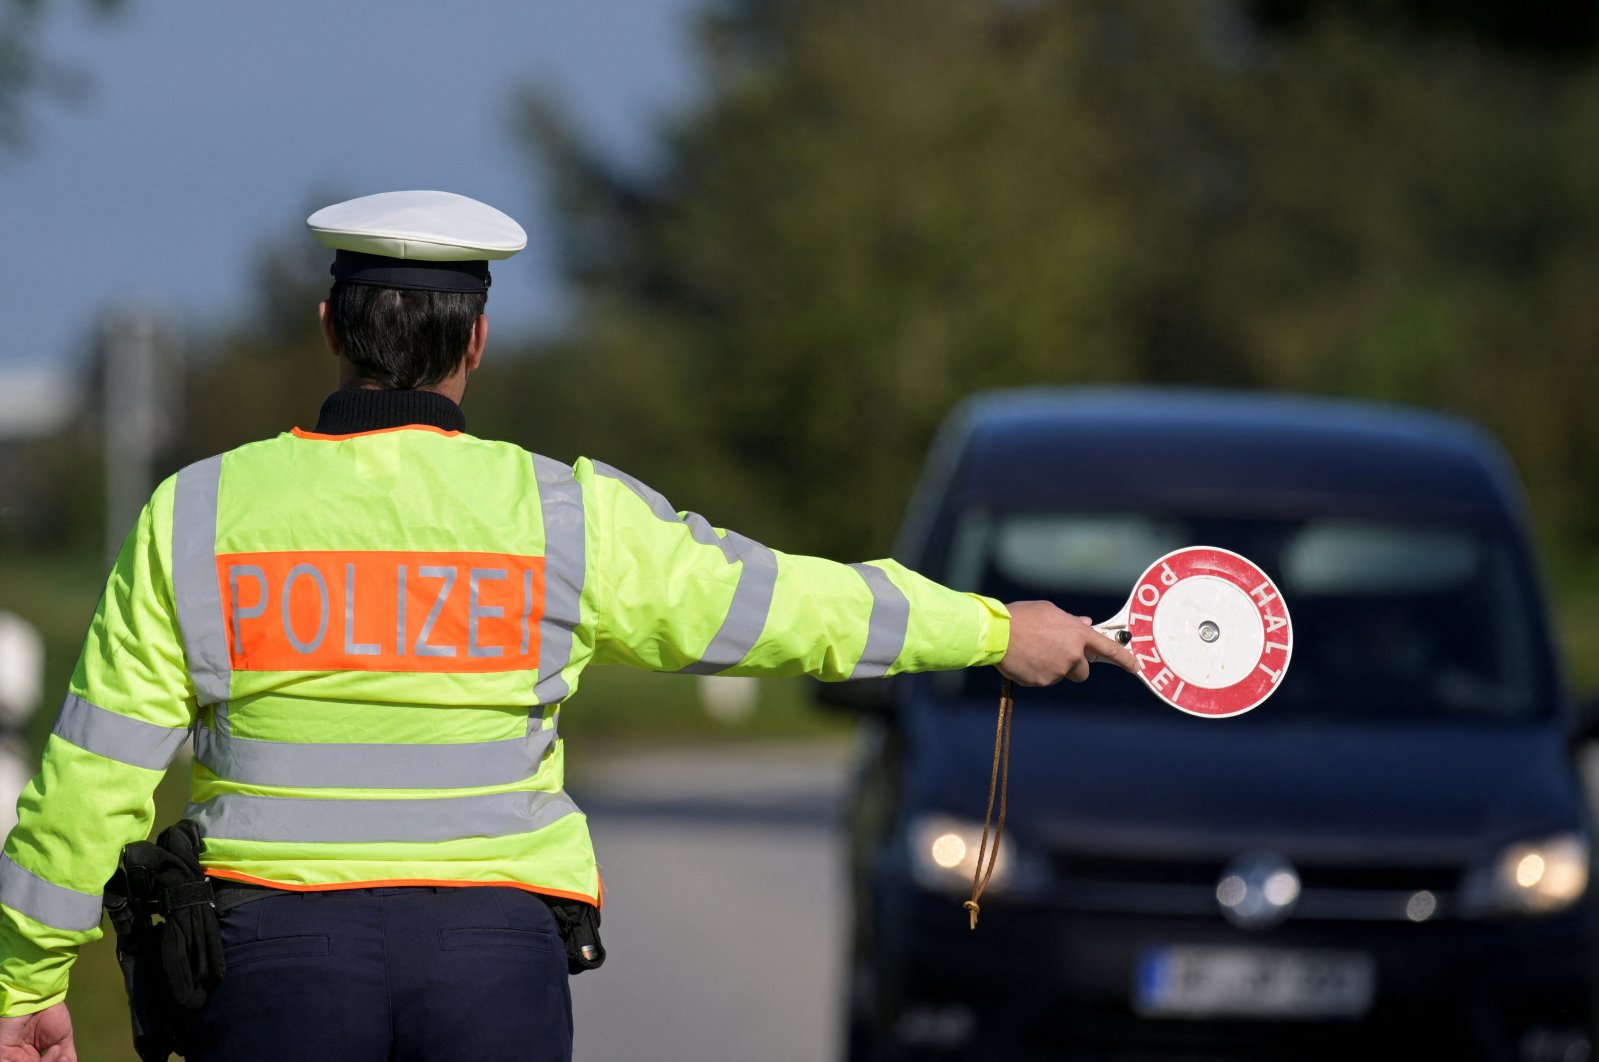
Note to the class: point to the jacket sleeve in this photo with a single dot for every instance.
(673, 593)
(125, 716)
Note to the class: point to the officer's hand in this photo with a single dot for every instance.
(1047, 645)
(45, 1036)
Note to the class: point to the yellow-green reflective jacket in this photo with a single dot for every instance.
(369, 637)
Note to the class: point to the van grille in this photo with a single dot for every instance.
(1176, 886)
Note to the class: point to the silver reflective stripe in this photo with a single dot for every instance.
(565, 567)
(294, 820)
(117, 737)
(757, 581)
(746, 616)
(653, 498)
(885, 636)
(53, 905)
(372, 766)
(194, 579)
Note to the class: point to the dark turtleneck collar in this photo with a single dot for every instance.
(354, 409)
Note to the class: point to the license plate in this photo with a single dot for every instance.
(1222, 982)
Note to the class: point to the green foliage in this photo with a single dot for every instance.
(57, 593)
(50, 494)
(270, 373)
(1547, 28)
(881, 206)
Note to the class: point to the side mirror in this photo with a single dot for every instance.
(874, 697)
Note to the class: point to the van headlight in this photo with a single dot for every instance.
(943, 854)
(1536, 877)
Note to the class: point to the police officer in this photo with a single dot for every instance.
(370, 629)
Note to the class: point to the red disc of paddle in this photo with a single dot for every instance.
(1209, 629)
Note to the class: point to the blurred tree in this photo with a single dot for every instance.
(882, 205)
(270, 372)
(26, 71)
(1421, 226)
(1546, 27)
(50, 495)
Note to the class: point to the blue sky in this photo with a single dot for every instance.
(210, 127)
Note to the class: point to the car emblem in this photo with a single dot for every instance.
(1257, 890)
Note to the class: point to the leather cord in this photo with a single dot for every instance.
(998, 782)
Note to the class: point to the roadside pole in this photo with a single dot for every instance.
(141, 375)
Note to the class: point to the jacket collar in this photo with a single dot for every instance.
(352, 410)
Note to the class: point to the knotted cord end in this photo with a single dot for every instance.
(971, 906)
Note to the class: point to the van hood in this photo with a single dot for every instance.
(1135, 782)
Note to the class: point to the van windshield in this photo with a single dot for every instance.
(1390, 618)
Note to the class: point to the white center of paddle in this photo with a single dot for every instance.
(1209, 632)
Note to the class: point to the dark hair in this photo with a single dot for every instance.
(403, 339)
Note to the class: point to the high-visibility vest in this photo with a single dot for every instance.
(369, 638)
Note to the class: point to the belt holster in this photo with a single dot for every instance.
(169, 942)
(579, 924)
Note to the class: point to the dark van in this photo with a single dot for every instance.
(1391, 855)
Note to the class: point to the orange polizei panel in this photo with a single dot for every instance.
(380, 610)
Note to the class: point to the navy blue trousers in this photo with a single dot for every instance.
(389, 975)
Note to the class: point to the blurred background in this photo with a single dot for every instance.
(773, 242)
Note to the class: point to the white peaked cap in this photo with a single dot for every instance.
(418, 226)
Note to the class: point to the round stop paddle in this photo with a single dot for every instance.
(1210, 631)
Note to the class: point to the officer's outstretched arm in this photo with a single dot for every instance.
(124, 718)
(669, 592)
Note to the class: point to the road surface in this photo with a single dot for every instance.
(724, 916)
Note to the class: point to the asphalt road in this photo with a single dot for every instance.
(724, 916)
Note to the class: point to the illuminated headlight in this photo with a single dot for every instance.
(1539, 877)
(943, 853)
